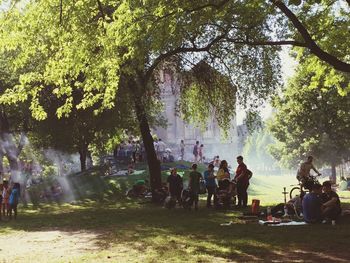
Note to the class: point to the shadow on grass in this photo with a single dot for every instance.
(179, 234)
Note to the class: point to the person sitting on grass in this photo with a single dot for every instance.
(13, 199)
(175, 185)
(312, 205)
(140, 187)
(293, 207)
(331, 208)
(193, 183)
(130, 168)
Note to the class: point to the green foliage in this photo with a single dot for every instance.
(328, 22)
(92, 47)
(206, 93)
(311, 119)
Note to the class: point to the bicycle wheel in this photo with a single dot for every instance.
(294, 191)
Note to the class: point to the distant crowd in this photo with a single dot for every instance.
(134, 150)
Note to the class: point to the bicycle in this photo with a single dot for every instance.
(300, 187)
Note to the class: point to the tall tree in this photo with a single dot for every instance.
(312, 119)
(118, 44)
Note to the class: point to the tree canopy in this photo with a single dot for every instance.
(311, 120)
(97, 47)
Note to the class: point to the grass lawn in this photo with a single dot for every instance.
(127, 231)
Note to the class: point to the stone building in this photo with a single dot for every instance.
(177, 129)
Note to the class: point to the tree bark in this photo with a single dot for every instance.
(83, 154)
(334, 173)
(152, 160)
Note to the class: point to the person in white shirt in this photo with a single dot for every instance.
(161, 149)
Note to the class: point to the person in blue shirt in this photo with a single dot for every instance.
(312, 205)
(210, 183)
(13, 200)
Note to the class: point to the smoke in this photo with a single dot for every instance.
(65, 163)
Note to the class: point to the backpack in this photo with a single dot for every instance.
(250, 174)
(202, 187)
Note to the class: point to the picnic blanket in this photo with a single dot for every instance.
(178, 166)
(276, 223)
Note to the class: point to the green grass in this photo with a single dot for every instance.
(102, 226)
(129, 232)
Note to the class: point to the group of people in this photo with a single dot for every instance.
(132, 149)
(9, 199)
(213, 182)
(322, 204)
(197, 152)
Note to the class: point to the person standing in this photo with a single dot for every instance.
(200, 153)
(156, 148)
(5, 198)
(182, 150)
(193, 183)
(195, 151)
(242, 179)
(161, 150)
(210, 183)
(175, 185)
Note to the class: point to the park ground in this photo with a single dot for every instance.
(110, 228)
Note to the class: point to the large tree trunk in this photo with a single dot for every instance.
(152, 160)
(334, 173)
(83, 154)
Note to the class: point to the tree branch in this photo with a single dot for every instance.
(100, 8)
(266, 43)
(61, 11)
(178, 50)
(310, 43)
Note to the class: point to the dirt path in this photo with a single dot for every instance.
(46, 246)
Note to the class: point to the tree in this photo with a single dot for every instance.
(81, 128)
(319, 27)
(312, 120)
(123, 43)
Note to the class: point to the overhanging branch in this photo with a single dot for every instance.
(266, 43)
(178, 50)
(310, 43)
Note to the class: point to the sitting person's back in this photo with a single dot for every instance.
(312, 205)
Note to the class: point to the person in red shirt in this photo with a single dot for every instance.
(242, 179)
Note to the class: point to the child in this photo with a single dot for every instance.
(13, 199)
(5, 198)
